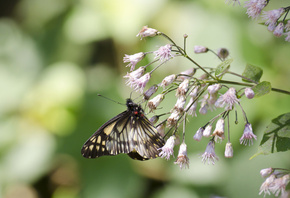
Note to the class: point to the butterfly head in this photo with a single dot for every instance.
(136, 109)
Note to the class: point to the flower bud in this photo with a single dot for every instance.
(168, 80)
(229, 151)
(249, 93)
(152, 90)
(223, 53)
(198, 49)
(154, 102)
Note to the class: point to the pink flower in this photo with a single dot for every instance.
(146, 31)
(140, 83)
(173, 118)
(279, 30)
(198, 134)
(272, 16)
(248, 135)
(179, 105)
(182, 159)
(229, 99)
(134, 75)
(254, 7)
(182, 88)
(219, 130)
(265, 187)
(133, 59)
(164, 53)
(209, 154)
(167, 149)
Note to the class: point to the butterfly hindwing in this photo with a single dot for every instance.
(129, 132)
(96, 145)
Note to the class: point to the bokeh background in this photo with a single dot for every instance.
(57, 55)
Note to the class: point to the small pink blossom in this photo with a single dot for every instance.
(179, 105)
(265, 187)
(209, 154)
(182, 88)
(140, 83)
(229, 99)
(164, 53)
(255, 7)
(271, 27)
(279, 30)
(219, 130)
(173, 118)
(134, 75)
(182, 159)
(279, 185)
(146, 31)
(212, 89)
(248, 135)
(167, 149)
(198, 135)
(272, 16)
(133, 59)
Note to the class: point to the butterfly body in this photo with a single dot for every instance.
(129, 132)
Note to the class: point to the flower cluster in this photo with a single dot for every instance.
(276, 181)
(193, 94)
(272, 18)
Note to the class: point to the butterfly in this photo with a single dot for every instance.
(129, 132)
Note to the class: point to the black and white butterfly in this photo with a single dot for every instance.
(129, 132)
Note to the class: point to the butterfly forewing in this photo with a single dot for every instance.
(129, 132)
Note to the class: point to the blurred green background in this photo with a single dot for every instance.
(57, 55)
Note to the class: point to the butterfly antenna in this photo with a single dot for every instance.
(111, 99)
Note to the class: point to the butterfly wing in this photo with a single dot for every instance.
(129, 132)
(145, 140)
(96, 145)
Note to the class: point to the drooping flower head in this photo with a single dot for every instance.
(209, 155)
(229, 151)
(248, 135)
(198, 135)
(140, 83)
(182, 159)
(146, 31)
(255, 7)
(272, 16)
(133, 59)
(134, 75)
(167, 149)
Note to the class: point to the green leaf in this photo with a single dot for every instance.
(276, 136)
(223, 68)
(252, 72)
(262, 88)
